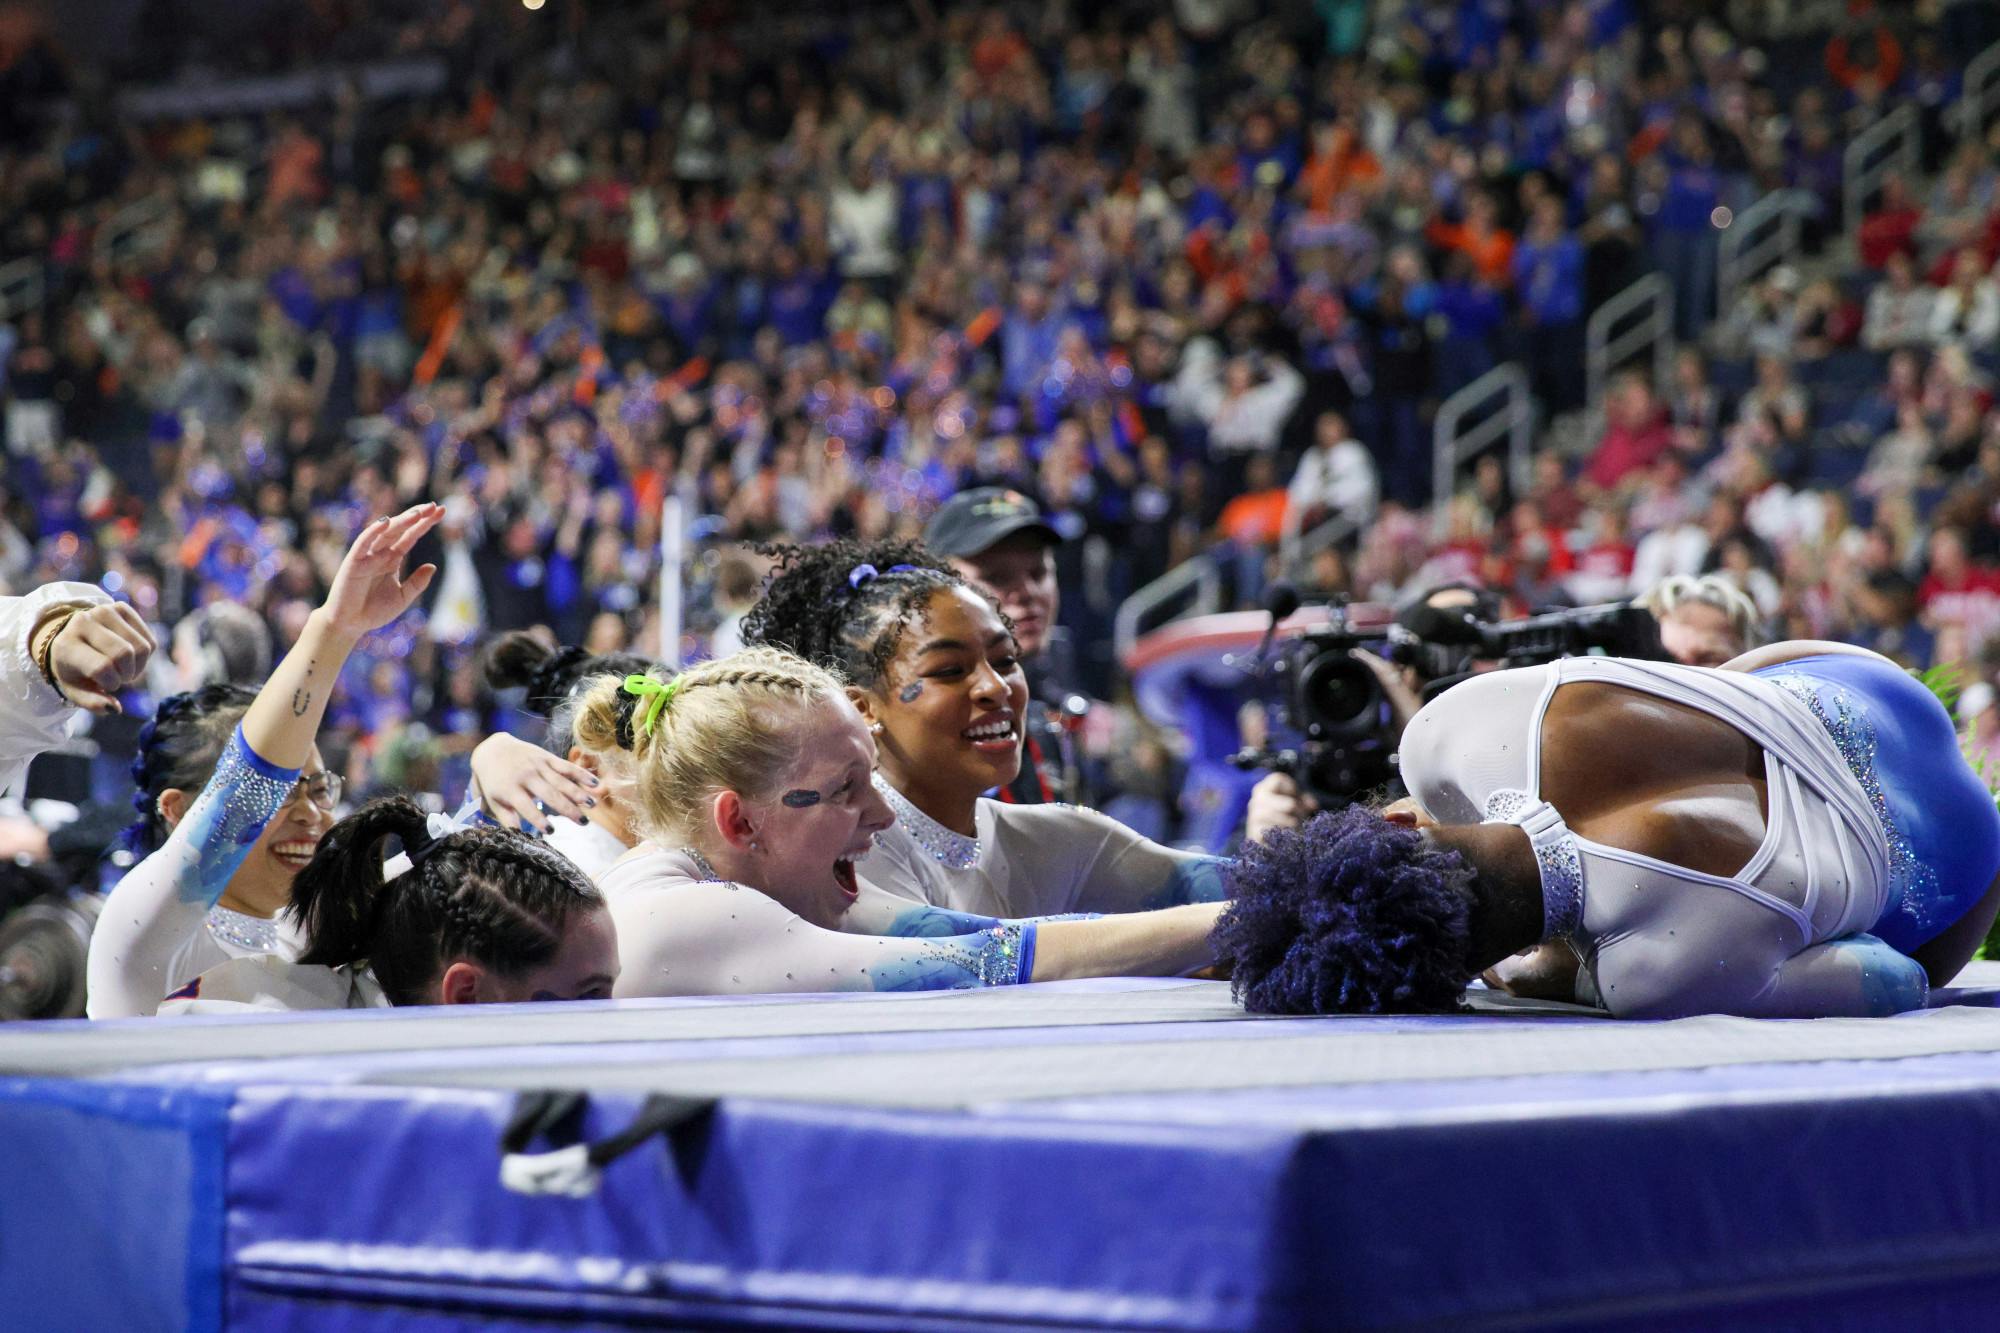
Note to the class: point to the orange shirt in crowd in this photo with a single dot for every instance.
(1256, 519)
(1492, 252)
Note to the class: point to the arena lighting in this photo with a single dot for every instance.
(533, 4)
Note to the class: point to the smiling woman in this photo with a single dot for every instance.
(212, 888)
(753, 784)
(474, 915)
(934, 668)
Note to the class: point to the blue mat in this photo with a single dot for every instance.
(1135, 1156)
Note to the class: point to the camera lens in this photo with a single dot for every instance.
(1337, 697)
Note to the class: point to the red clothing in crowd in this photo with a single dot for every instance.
(1971, 601)
(1625, 449)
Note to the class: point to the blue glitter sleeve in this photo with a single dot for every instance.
(229, 817)
(1001, 956)
(936, 922)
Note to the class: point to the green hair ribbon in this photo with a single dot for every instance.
(656, 696)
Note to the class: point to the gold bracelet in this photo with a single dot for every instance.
(46, 659)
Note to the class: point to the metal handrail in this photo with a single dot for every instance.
(1606, 346)
(1752, 245)
(23, 285)
(1199, 572)
(135, 228)
(1893, 143)
(1514, 420)
(1980, 93)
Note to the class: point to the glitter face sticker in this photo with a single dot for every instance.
(801, 799)
(908, 694)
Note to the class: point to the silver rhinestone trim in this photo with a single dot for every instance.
(953, 851)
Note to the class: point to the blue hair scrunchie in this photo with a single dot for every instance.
(865, 573)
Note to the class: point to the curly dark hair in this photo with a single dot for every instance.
(1349, 914)
(179, 748)
(812, 606)
(486, 894)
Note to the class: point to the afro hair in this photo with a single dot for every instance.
(1349, 914)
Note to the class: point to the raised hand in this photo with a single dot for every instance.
(370, 589)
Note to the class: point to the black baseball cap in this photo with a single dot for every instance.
(980, 519)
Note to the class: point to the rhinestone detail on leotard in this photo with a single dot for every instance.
(1556, 853)
(953, 851)
(239, 930)
(1912, 883)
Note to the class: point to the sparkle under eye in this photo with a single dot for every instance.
(801, 799)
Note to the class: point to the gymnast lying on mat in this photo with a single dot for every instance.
(934, 669)
(233, 797)
(461, 915)
(753, 785)
(1795, 834)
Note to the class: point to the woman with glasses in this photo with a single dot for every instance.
(234, 797)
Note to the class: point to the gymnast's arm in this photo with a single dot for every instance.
(155, 910)
(725, 939)
(34, 717)
(1120, 870)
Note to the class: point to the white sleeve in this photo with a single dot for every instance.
(33, 717)
(726, 939)
(1115, 869)
(152, 913)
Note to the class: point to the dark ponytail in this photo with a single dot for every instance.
(484, 894)
(843, 605)
(179, 748)
(519, 659)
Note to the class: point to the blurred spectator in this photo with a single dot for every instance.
(1899, 308)
(1336, 478)
(1635, 433)
(1967, 310)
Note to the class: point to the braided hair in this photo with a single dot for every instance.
(179, 748)
(821, 606)
(485, 894)
(551, 676)
(732, 724)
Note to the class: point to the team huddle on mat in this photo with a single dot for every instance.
(1793, 835)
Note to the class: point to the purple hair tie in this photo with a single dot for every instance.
(861, 574)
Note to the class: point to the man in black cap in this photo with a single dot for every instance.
(998, 539)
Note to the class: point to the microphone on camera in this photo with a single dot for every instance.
(1281, 599)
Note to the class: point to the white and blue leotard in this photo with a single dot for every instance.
(1877, 837)
(161, 927)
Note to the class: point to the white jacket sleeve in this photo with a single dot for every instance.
(155, 911)
(33, 717)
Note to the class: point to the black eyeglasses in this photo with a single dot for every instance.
(323, 789)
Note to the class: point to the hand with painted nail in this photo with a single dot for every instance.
(371, 590)
(521, 785)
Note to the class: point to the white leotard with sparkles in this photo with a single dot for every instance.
(1779, 937)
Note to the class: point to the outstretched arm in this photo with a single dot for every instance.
(726, 939)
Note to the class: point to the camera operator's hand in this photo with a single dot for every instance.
(1397, 686)
(94, 654)
(1276, 802)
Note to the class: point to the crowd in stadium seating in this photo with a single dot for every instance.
(1172, 273)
